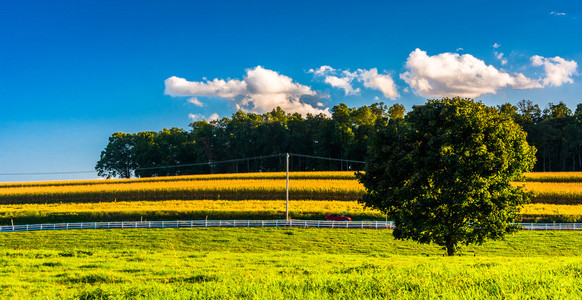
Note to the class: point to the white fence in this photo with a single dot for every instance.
(248, 223)
(201, 223)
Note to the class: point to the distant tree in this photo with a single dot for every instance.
(443, 173)
(117, 158)
(396, 111)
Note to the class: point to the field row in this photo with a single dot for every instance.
(206, 177)
(240, 189)
(225, 210)
(346, 175)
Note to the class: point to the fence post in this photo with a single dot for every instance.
(376, 224)
(332, 223)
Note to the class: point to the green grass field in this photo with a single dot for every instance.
(270, 263)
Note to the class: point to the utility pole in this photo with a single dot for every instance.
(287, 211)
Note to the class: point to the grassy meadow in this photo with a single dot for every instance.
(280, 263)
(267, 263)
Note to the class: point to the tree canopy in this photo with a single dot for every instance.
(443, 172)
(556, 131)
(345, 136)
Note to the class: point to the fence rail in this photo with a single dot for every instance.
(248, 223)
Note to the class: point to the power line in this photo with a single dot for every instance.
(209, 163)
(328, 158)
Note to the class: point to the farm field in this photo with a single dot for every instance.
(277, 263)
(557, 198)
(553, 188)
(227, 209)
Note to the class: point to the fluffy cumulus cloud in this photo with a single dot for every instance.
(451, 74)
(370, 79)
(261, 90)
(214, 117)
(344, 83)
(558, 70)
(322, 70)
(381, 82)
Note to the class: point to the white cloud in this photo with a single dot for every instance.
(370, 79)
(558, 70)
(460, 49)
(344, 83)
(384, 83)
(260, 91)
(496, 46)
(196, 117)
(213, 117)
(451, 74)
(176, 86)
(196, 102)
(554, 13)
(499, 55)
(322, 70)
(199, 117)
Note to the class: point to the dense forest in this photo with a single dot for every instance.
(217, 146)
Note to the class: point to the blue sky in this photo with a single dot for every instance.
(74, 72)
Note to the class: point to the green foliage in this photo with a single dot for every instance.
(443, 173)
(344, 135)
(117, 158)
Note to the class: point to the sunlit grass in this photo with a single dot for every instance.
(269, 263)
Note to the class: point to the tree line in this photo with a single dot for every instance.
(555, 131)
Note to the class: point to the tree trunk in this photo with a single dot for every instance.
(450, 245)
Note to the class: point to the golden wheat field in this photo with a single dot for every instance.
(256, 194)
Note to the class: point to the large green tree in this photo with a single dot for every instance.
(117, 159)
(443, 173)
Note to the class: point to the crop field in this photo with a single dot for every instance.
(557, 198)
(552, 188)
(226, 209)
(282, 263)
(180, 210)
